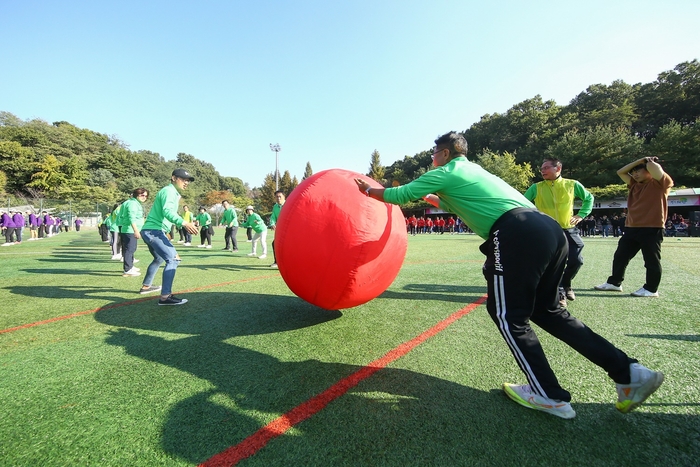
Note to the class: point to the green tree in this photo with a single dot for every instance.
(47, 176)
(678, 148)
(594, 156)
(519, 176)
(601, 105)
(307, 171)
(376, 169)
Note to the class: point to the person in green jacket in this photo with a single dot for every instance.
(203, 220)
(255, 222)
(114, 239)
(229, 219)
(161, 217)
(526, 255)
(130, 222)
(276, 209)
(555, 196)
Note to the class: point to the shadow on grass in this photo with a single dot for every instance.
(73, 272)
(73, 291)
(396, 417)
(671, 337)
(447, 293)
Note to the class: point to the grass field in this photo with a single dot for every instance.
(91, 373)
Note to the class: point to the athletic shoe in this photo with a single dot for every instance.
(643, 383)
(208, 247)
(263, 256)
(226, 249)
(136, 260)
(180, 241)
(644, 293)
(570, 295)
(7, 244)
(609, 287)
(201, 246)
(251, 254)
(235, 250)
(172, 300)
(274, 266)
(187, 244)
(131, 273)
(117, 257)
(149, 289)
(524, 396)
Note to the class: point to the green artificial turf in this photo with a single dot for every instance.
(126, 382)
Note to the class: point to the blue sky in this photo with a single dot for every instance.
(329, 81)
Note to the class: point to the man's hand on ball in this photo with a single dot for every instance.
(362, 185)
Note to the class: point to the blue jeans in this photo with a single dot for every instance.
(162, 251)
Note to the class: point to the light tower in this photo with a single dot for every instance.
(276, 147)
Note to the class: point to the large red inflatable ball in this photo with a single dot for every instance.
(335, 247)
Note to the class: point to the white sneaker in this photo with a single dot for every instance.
(201, 246)
(131, 273)
(180, 241)
(644, 293)
(251, 254)
(7, 244)
(187, 244)
(136, 260)
(524, 396)
(209, 247)
(274, 266)
(643, 383)
(609, 287)
(263, 256)
(117, 257)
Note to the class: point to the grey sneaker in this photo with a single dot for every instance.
(149, 289)
(644, 293)
(562, 298)
(609, 287)
(643, 383)
(524, 396)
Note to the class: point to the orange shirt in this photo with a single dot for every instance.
(647, 203)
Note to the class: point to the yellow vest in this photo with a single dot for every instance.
(556, 199)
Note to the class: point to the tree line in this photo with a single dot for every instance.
(600, 130)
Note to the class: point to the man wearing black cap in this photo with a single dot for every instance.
(162, 216)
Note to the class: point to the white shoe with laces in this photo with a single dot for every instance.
(643, 383)
(523, 395)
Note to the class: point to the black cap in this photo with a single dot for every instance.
(182, 173)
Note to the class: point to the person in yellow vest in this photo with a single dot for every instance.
(555, 196)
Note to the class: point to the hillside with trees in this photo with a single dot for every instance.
(600, 130)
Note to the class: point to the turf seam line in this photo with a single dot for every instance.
(305, 410)
(126, 303)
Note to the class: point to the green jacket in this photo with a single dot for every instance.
(478, 197)
(255, 222)
(163, 213)
(131, 212)
(230, 218)
(204, 219)
(275, 214)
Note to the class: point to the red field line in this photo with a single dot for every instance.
(127, 303)
(280, 425)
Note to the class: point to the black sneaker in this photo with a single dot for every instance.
(172, 300)
(149, 289)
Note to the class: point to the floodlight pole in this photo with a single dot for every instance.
(276, 147)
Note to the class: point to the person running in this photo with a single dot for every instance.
(161, 217)
(130, 223)
(203, 220)
(230, 220)
(255, 222)
(526, 255)
(281, 199)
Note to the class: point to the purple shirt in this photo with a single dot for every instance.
(33, 220)
(18, 219)
(7, 221)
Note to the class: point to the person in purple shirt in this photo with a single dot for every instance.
(78, 223)
(9, 226)
(19, 221)
(45, 226)
(33, 225)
